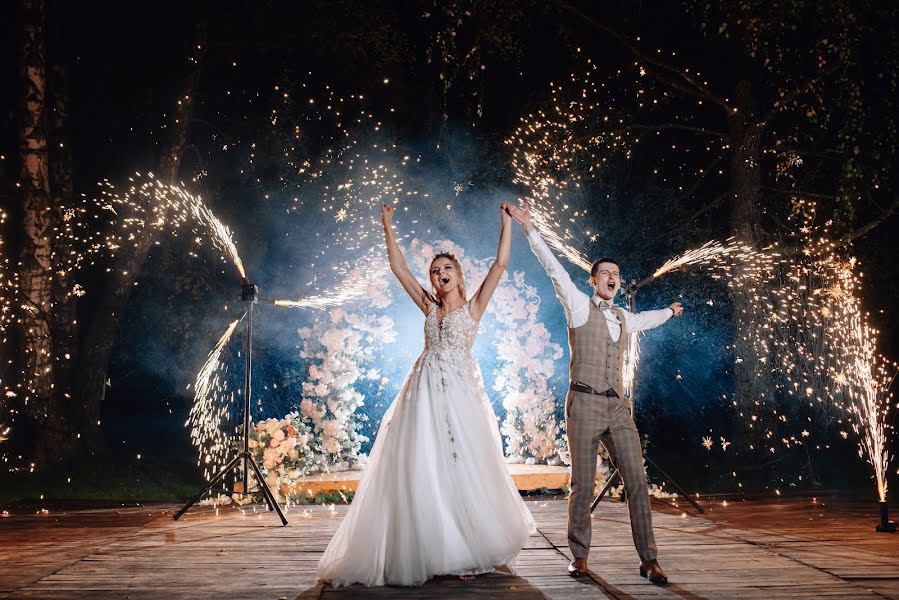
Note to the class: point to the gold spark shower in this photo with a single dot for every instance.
(871, 401)
(716, 255)
(350, 289)
(568, 152)
(807, 329)
(556, 152)
(212, 400)
(339, 190)
(146, 205)
(127, 218)
(8, 281)
(9, 286)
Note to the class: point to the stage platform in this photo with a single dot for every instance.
(526, 477)
(800, 547)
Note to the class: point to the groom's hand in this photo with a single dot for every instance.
(677, 309)
(523, 215)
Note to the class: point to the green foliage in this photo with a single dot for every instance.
(544, 491)
(333, 497)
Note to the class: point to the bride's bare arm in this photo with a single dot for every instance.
(481, 299)
(398, 262)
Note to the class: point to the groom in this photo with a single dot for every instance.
(595, 406)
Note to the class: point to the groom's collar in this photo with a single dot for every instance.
(597, 302)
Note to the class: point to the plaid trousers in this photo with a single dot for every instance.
(589, 420)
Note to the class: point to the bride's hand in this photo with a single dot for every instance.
(521, 214)
(505, 217)
(386, 213)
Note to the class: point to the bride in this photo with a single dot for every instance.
(436, 498)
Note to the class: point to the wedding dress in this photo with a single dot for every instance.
(436, 497)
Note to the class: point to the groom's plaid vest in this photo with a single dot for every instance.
(595, 359)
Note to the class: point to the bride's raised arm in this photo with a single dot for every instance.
(481, 299)
(398, 263)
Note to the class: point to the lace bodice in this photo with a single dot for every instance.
(454, 335)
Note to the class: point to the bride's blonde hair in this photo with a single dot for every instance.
(435, 298)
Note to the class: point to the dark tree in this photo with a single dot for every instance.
(103, 334)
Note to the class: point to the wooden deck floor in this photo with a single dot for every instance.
(789, 548)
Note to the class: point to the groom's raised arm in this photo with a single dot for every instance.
(650, 319)
(647, 319)
(573, 300)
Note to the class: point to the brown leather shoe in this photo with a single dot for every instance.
(577, 571)
(653, 572)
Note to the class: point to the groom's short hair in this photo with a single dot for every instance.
(604, 259)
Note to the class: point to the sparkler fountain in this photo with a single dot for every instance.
(152, 204)
(248, 294)
(830, 347)
(832, 351)
(870, 398)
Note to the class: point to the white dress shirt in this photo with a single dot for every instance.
(575, 302)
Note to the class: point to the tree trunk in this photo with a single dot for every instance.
(103, 333)
(64, 324)
(36, 261)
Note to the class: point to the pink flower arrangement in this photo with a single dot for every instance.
(281, 446)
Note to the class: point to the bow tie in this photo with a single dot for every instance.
(603, 305)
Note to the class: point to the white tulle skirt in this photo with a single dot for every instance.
(436, 497)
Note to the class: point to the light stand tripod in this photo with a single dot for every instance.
(248, 293)
(615, 476)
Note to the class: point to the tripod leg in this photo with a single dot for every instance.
(247, 459)
(613, 478)
(675, 485)
(221, 475)
(269, 497)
